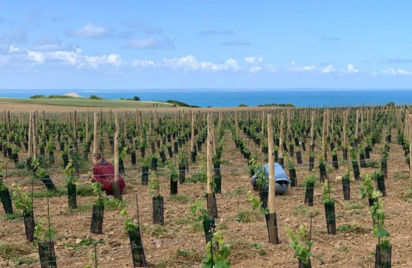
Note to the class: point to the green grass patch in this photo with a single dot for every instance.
(42, 194)
(83, 243)
(401, 176)
(155, 230)
(248, 216)
(198, 177)
(372, 164)
(84, 190)
(196, 227)
(183, 220)
(353, 228)
(83, 102)
(180, 198)
(237, 192)
(11, 217)
(300, 210)
(82, 209)
(15, 252)
(354, 205)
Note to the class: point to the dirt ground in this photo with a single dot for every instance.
(180, 242)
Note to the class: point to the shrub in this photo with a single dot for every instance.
(94, 97)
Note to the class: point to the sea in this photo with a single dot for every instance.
(236, 97)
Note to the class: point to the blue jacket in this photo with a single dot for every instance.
(281, 179)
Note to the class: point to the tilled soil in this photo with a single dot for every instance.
(180, 242)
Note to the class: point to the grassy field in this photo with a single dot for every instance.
(81, 102)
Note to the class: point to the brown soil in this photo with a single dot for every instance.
(249, 241)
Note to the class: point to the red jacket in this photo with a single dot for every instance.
(104, 173)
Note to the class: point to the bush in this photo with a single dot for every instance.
(94, 97)
(38, 97)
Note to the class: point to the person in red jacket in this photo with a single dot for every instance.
(103, 172)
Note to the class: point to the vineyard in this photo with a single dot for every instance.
(188, 200)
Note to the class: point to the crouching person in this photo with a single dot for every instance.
(281, 179)
(103, 172)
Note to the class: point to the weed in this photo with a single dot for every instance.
(343, 249)
(353, 228)
(401, 176)
(237, 192)
(248, 216)
(155, 230)
(180, 198)
(354, 205)
(373, 164)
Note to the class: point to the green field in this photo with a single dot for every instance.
(82, 102)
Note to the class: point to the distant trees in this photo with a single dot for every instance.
(94, 97)
(38, 97)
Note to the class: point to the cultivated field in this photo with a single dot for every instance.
(177, 155)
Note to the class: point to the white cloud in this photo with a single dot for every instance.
(13, 49)
(73, 57)
(253, 60)
(328, 69)
(92, 31)
(306, 68)
(96, 61)
(143, 63)
(150, 43)
(190, 63)
(351, 69)
(37, 57)
(396, 71)
(255, 69)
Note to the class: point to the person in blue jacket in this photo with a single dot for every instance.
(281, 179)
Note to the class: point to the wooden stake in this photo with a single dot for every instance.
(34, 132)
(271, 199)
(87, 126)
(116, 146)
(325, 118)
(30, 146)
(192, 138)
(211, 199)
(357, 126)
(280, 149)
(95, 135)
(410, 146)
(236, 124)
(312, 123)
(209, 168)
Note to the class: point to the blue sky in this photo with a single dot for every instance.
(139, 44)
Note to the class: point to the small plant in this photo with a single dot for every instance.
(69, 174)
(198, 177)
(218, 252)
(262, 179)
(43, 231)
(198, 211)
(326, 193)
(301, 244)
(129, 222)
(366, 188)
(22, 200)
(154, 185)
(256, 203)
(174, 174)
(39, 170)
(310, 180)
(379, 230)
(97, 191)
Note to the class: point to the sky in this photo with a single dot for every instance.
(188, 44)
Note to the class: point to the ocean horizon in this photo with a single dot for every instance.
(235, 97)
